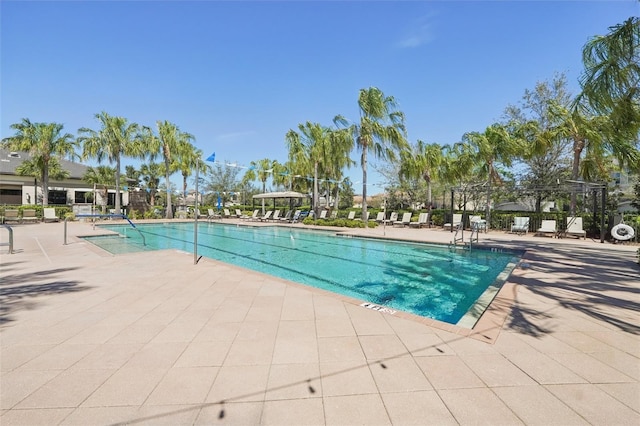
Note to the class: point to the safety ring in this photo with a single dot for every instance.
(622, 232)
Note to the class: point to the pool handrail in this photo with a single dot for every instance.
(110, 215)
(10, 242)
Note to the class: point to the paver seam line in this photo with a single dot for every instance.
(44, 252)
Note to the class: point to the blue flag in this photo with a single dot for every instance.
(212, 157)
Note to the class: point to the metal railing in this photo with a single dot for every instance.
(122, 216)
(10, 242)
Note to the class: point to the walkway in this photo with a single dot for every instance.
(148, 338)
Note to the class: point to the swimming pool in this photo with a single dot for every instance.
(429, 280)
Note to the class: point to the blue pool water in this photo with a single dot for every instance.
(424, 279)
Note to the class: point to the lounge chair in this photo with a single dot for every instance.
(352, 215)
(520, 225)
(239, 214)
(457, 220)
(392, 219)
(423, 219)
(49, 215)
(574, 227)
(477, 223)
(323, 214)
(379, 217)
(405, 221)
(226, 214)
(548, 227)
(299, 216)
(368, 215)
(212, 215)
(334, 214)
(276, 216)
(254, 216)
(11, 215)
(266, 216)
(29, 215)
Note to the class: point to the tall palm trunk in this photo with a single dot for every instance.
(578, 146)
(364, 184)
(45, 188)
(488, 207)
(118, 211)
(315, 190)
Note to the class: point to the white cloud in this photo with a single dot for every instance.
(227, 137)
(419, 33)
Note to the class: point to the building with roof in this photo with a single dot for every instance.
(16, 189)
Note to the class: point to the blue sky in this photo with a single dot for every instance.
(239, 74)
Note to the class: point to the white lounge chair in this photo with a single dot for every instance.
(323, 214)
(352, 215)
(520, 225)
(368, 215)
(392, 219)
(49, 215)
(212, 215)
(477, 223)
(226, 214)
(239, 214)
(457, 220)
(423, 219)
(547, 227)
(574, 227)
(254, 216)
(405, 221)
(379, 217)
(276, 215)
(266, 216)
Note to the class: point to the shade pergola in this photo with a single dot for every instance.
(282, 194)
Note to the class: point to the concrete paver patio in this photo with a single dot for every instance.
(149, 338)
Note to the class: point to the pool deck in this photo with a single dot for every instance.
(150, 338)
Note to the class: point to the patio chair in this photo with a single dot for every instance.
(266, 216)
(29, 215)
(226, 214)
(212, 215)
(239, 214)
(367, 215)
(292, 217)
(477, 223)
(574, 227)
(352, 215)
(380, 217)
(520, 225)
(334, 214)
(49, 215)
(455, 222)
(548, 227)
(11, 215)
(392, 219)
(405, 221)
(423, 219)
(254, 216)
(323, 214)
(276, 216)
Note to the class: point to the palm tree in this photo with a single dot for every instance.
(115, 139)
(188, 159)
(260, 170)
(319, 149)
(103, 177)
(381, 129)
(151, 174)
(44, 142)
(611, 79)
(494, 145)
(422, 161)
(171, 143)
